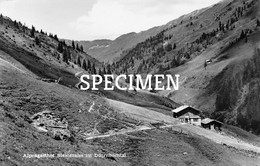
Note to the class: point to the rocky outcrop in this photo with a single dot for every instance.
(46, 121)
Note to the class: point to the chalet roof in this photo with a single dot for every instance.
(208, 120)
(179, 109)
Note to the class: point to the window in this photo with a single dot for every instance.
(195, 120)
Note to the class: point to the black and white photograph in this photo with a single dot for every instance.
(130, 83)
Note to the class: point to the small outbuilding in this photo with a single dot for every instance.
(187, 114)
(211, 124)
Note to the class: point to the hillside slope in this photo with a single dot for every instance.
(24, 96)
(42, 112)
(228, 88)
(42, 49)
(227, 35)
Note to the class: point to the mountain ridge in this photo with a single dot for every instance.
(42, 112)
(125, 41)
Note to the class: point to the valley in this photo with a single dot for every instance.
(118, 128)
(216, 53)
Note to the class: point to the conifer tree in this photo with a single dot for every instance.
(65, 55)
(73, 44)
(257, 22)
(1, 19)
(32, 31)
(77, 47)
(127, 79)
(220, 26)
(60, 47)
(50, 35)
(109, 69)
(79, 62)
(37, 41)
(84, 66)
(56, 38)
(16, 24)
(94, 69)
(242, 35)
(69, 55)
(81, 48)
(89, 65)
(99, 72)
(174, 46)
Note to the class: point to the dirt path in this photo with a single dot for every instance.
(216, 137)
(91, 107)
(142, 128)
(151, 116)
(10, 65)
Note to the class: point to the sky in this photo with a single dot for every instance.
(97, 19)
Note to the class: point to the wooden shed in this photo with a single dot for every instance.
(187, 114)
(211, 124)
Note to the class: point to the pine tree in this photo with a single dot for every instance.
(242, 35)
(65, 55)
(32, 31)
(220, 25)
(94, 69)
(89, 65)
(81, 48)
(257, 22)
(109, 69)
(84, 66)
(227, 26)
(16, 24)
(69, 55)
(37, 41)
(79, 62)
(60, 47)
(56, 37)
(50, 35)
(1, 19)
(99, 72)
(174, 46)
(73, 44)
(77, 47)
(127, 79)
